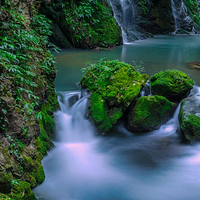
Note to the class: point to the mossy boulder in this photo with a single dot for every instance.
(172, 84)
(149, 113)
(189, 119)
(114, 86)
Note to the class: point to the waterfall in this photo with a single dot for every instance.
(124, 14)
(72, 119)
(146, 90)
(183, 22)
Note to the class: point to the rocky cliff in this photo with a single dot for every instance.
(27, 97)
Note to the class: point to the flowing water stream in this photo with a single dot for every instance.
(123, 165)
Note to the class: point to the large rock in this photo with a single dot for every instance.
(149, 113)
(189, 119)
(155, 17)
(85, 24)
(172, 84)
(114, 86)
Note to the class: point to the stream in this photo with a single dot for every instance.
(121, 166)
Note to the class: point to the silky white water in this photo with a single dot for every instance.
(122, 166)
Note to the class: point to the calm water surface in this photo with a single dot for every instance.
(155, 54)
(122, 165)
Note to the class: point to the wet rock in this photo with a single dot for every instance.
(194, 65)
(158, 17)
(172, 84)
(58, 37)
(189, 119)
(149, 113)
(114, 86)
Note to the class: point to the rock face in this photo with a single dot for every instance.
(114, 86)
(189, 118)
(149, 113)
(140, 19)
(156, 16)
(27, 98)
(82, 24)
(172, 84)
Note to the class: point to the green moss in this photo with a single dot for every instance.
(28, 162)
(172, 84)
(4, 197)
(115, 114)
(114, 86)
(21, 190)
(190, 126)
(149, 112)
(40, 176)
(30, 178)
(28, 72)
(5, 186)
(98, 112)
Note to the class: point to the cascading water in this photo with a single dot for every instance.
(183, 22)
(124, 13)
(85, 167)
(75, 169)
(146, 90)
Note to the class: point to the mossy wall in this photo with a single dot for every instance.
(83, 24)
(27, 97)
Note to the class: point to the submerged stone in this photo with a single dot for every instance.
(189, 119)
(114, 86)
(172, 84)
(149, 113)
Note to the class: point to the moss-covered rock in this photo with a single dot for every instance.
(189, 119)
(172, 84)
(149, 113)
(85, 23)
(114, 86)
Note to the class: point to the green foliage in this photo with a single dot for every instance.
(193, 8)
(91, 24)
(27, 71)
(18, 63)
(143, 4)
(15, 148)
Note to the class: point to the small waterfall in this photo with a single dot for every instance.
(183, 22)
(124, 14)
(146, 90)
(195, 92)
(74, 168)
(72, 119)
